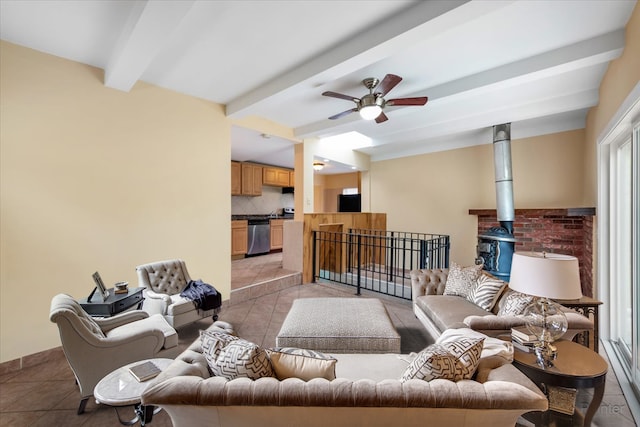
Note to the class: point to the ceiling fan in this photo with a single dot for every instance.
(371, 105)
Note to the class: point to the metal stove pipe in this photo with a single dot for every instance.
(503, 174)
(496, 246)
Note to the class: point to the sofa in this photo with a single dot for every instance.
(365, 390)
(439, 308)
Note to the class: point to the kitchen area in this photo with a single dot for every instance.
(266, 241)
(261, 201)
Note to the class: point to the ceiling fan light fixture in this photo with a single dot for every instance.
(370, 112)
(371, 106)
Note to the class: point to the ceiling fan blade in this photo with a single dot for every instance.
(382, 118)
(344, 113)
(389, 82)
(341, 96)
(408, 101)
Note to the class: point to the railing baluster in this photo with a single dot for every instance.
(382, 259)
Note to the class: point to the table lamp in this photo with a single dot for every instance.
(547, 276)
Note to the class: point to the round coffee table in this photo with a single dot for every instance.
(576, 367)
(121, 388)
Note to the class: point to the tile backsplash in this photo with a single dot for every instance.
(271, 201)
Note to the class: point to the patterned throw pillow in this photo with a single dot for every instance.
(291, 362)
(486, 292)
(461, 280)
(212, 342)
(434, 362)
(514, 303)
(467, 351)
(241, 358)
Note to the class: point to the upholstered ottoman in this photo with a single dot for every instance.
(339, 325)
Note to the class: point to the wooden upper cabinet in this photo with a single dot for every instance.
(251, 179)
(247, 179)
(276, 177)
(236, 179)
(292, 178)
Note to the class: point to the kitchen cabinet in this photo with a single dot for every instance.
(251, 179)
(239, 235)
(276, 177)
(236, 179)
(292, 178)
(276, 233)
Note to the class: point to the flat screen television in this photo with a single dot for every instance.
(349, 203)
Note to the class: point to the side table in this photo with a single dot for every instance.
(576, 367)
(114, 304)
(588, 307)
(121, 388)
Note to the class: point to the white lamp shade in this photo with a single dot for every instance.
(370, 112)
(546, 275)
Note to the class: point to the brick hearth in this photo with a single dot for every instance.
(566, 231)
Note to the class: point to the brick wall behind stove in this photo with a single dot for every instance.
(539, 231)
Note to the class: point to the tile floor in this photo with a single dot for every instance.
(46, 395)
(257, 269)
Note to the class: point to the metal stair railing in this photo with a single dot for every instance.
(376, 260)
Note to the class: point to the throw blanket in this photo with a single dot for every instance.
(204, 296)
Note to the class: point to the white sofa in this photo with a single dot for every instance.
(439, 312)
(366, 392)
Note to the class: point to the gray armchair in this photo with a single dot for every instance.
(96, 346)
(163, 282)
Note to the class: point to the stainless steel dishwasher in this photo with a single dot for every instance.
(259, 236)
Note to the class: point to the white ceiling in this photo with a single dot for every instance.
(534, 63)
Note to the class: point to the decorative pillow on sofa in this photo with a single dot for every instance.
(241, 358)
(491, 346)
(434, 362)
(495, 351)
(290, 362)
(461, 280)
(486, 291)
(451, 360)
(514, 303)
(212, 342)
(467, 351)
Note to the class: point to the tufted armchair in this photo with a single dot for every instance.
(96, 346)
(163, 282)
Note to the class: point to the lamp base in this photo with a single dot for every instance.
(547, 321)
(545, 353)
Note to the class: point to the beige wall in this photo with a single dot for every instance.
(327, 188)
(433, 193)
(97, 179)
(342, 180)
(81, 163)
(621, 77)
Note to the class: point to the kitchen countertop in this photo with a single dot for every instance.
(257, 217)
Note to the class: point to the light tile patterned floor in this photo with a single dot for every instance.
(46, 395)
(257, 269)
